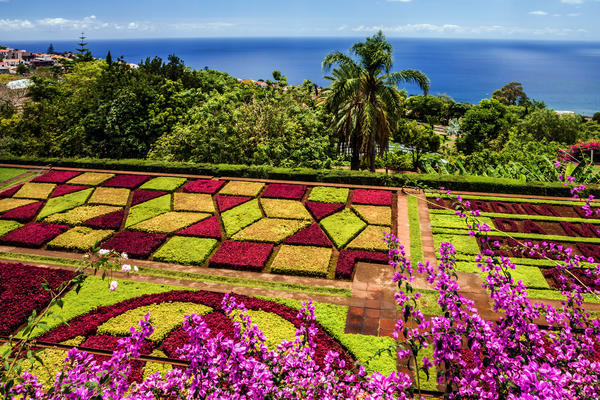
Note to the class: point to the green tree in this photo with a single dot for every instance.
(22, 69)
(50, 49)
(420, 139)
(82, 43)
(596, 117)
(547, 125)
(511, 94)
(364, 97)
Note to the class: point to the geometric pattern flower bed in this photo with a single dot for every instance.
(233, 224)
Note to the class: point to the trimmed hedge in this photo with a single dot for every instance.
(452, 182)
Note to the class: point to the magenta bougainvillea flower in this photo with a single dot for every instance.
(321, 210)
(34, 234)
(218, 322)
(227, 202)
(108, 221)
(135, 244)
(311, 236)
(21, 292)
(284, 191)
(208, 186)
(10, 191)
(66, 189)
(372, 197)
(209, 228)
(56, 176)
(348, 258)
(140, 196)
(241, 255)
(23, 214)
(129, 181)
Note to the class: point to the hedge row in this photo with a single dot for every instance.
(434, 181)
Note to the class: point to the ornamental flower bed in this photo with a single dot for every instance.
(209, 228)
(311, 236)
(321, 210)
(135, 244)
(10, 191)
(247, 256)
(225, 203)
(23, 214)
(34, 234)
(348, 259)
(56, 176)
(61, 190)
(21, 292)
(107, 221)
(372, 197)
(140, 196)
(284, 191)
(126, 181)
(208, 186)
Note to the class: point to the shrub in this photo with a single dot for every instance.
(342, 227)
(209, 228)
(374, 215)
(61, 190)
(208, 186)
(34, 234)
(111, 220)
(321, 210)
(275, 328)
(35, 190)
(371, 238)
(291, 209)
(10, 203)
(311, 236)
(372, 197)
(169, 222)
(79, 238)
(225, 203)
(90, 178)
(165, 183)
(242, 188)
(80, 214)
(271, 230)
(302, 260)
(185, 250)
(126, 181)
(284, 191)
(63, 203)
(241, 255)
(23, 213)
(148, 209)
(193, 202)
(135, 244)
(111, 196)
(238, 218)
(56, 176)
(325, 194)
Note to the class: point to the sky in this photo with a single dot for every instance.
(107, 19)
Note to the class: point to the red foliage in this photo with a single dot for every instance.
(373, 197)
(209, 228)
(227, 202)
(581, 230)
(321, 210)
(10, 191)
(531, 227)
(24, 213)
(241, 255)
(140, 196)
(311, 236)
(348, 258)
(112, 220)
(129, 181)
(56, 176)
(552, 276)
(135, 244)
(209, 186)
(284, 191)
(61, 190)
(34, 234)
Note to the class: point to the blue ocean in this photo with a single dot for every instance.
(564, 75)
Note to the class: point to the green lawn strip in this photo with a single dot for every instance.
(278, 208)
(327, 194)
(24, 178)
(163, 317)
(523, 216)
(342, 227)
(8, 226)
(165, 183)
(242, 188)
(80, 214)
(148, 209)
(371, 239)
(302, 260)
(271, 230)
(414, 227)
(34, 190)
(454, 222)
(364, 348)
(557, 295)
(462, 243)
(237, 218)
(10, 173)
(80, 238)
(515, 200)
(530, 275)
(64, 203)
(518, 235)
(523, 261)
(197, 277)
(170, 221)
(186, 250)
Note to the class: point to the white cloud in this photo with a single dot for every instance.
(89, 23)
(538, 12)
(572, 1)
(15, 24)
(449, 29)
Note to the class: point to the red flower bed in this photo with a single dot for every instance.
(61, 190)
(553, 275)
(34, 234)
(209, 186)
(227, 202)
(23, 214)
(580, 230)
(531, 227)
(582, 213)
(112, 220)
(372, 197)
(311, 236)
(86, 325)
(135, 244)
(589, 250)
(21, 292)
(242, 256)
(284, 191)
(506, 225)
(128, 181)
(10, 191)
(140, 196)
(321, 210)
(209, 228)
(55, 176)
(348, 258)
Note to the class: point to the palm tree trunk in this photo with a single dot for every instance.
(373, 155)
(355, 160)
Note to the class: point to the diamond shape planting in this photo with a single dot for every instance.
(110, 196)
(271, 230)
(193, 202)
(327, 194)
(169, 222)
(35, 190)
(90, 178)
(242, 188)
(238, 218)
(371, 239)
(374, 215)
(291, 209)
(342, 227)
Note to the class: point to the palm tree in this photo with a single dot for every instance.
(364, 97)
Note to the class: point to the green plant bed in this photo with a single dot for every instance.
(80, 239)
(186, 250)
(374, 215)
(557, 295)
(531, 276)
(80, 214)
(242, 188)
(454, 222)
(462, 243)
(523, 216)
(290, 209)
(110, 196)
(271, 230)
(169, 222)
(10, 203)
(371, 238)
(327, 194)
(64, 203)
(428, 302)
(342, 227)
(302, 260)
(8, 226)
(519, 235)
(516, 200)
(165, 183)
(237, 218)
(524, 261)
(193, 202)
(153, 367)
(414, 227)
(165, 317)
(148, 209)
(90, 178)
(52, 361)
(33, 190)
